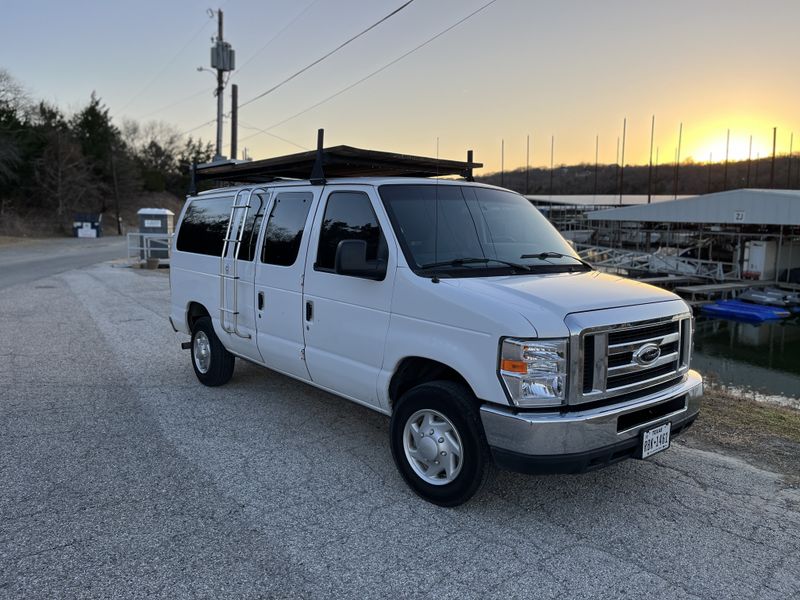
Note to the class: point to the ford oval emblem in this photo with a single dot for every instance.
(647, 354)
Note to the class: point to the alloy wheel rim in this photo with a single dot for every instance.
(202, 352)
(433, 447)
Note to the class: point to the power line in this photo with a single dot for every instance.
(383, 68)
(332, 52)
(277, 137)
(276, 36)
(175, 103)
(214, 120)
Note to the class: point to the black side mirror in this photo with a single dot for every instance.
(351, 259)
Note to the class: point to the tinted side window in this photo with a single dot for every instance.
(251, 227)
(348, 216)
(204, 225)
(285, 228)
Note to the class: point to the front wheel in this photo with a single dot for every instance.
(438, 443)
(212, 363)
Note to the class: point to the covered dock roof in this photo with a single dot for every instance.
(603, 200)
(734, 207)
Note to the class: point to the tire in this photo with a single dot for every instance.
(212, 363)
(445, 484)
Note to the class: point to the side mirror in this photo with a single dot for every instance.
(351, 259)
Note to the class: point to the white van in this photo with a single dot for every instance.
(453, 307)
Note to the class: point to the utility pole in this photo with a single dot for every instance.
(220, 87)
(650, 168)
(596, 157)
(552, 147)
(725, 172)
(616, 172)
(528, 165)
(502, 162)
(789, 166)
(622, 165)
(234, 119)
(655, 175)
(223, 59)
(749, 160)
(677, 163)
(772, 168)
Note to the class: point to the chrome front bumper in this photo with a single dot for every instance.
(576, 441)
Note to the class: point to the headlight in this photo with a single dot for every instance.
(534, 371)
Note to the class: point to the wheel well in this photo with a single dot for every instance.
(414, 370)
(195, 311)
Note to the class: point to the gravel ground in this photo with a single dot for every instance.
(122, 476)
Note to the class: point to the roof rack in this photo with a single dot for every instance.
(338, 161)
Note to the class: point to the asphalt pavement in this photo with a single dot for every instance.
(122, 476)
(31, 260)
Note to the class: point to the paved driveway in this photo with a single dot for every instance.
(31, 260)
(120, 475)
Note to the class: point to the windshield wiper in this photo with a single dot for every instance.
(467, 261)
(545, 255)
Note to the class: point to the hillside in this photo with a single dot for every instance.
(693, 178)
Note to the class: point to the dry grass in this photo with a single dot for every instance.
(763, 434)
(9, 240)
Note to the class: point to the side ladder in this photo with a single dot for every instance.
(224, 274)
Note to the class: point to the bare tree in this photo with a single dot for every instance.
(64, 177)
(13, 95)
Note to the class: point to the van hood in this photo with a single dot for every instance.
(563, 293)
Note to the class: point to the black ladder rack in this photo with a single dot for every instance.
(338, 161)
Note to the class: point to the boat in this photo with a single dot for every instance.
(744, 311)
(763, 297)
(772, 297)
(792, 298)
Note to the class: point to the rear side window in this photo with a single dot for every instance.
(348, 216)
(285, 228)
(204, 225)
(252, 226)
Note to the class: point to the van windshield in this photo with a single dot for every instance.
(468, 230)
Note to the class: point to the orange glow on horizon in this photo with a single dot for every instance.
(709, 139)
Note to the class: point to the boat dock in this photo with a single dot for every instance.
(700, 294)
(671, 282)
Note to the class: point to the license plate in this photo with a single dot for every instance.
(655, 440)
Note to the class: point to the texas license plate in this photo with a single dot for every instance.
(655, 440)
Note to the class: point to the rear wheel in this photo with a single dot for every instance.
(438, 443)
(212, 363)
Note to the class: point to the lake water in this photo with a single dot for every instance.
(763, 359)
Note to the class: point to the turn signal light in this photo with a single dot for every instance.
(514, 366)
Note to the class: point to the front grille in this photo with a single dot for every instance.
(641, 333)
(623, 380)
(619, 360)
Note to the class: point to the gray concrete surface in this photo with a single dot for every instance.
(122, 476)
(28, 261)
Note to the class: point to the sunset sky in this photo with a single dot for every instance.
(572, 69)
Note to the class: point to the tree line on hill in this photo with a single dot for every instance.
(692, 178)
(54, 164)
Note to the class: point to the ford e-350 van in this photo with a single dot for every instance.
(453, 307)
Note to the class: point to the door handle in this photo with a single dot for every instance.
(260, 300)
(309, 310)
